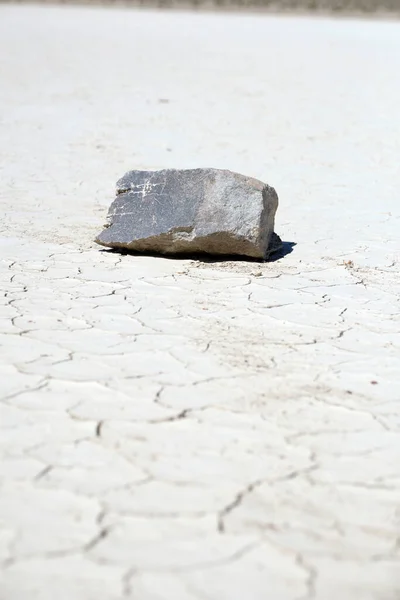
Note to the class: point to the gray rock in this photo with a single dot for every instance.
(190, 211)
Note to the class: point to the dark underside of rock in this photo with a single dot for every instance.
(192, 211)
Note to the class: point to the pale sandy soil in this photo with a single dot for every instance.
(182, 430)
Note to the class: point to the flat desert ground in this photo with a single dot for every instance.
(196, 429)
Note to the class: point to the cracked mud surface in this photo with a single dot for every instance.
(178, 429)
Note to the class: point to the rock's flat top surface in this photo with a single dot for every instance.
(172, 429)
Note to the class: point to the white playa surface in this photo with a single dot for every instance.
(181, 430)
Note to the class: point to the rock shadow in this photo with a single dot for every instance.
(285, 249)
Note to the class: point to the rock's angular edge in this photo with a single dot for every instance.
(192, 211)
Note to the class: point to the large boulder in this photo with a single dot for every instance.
(189, 211)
